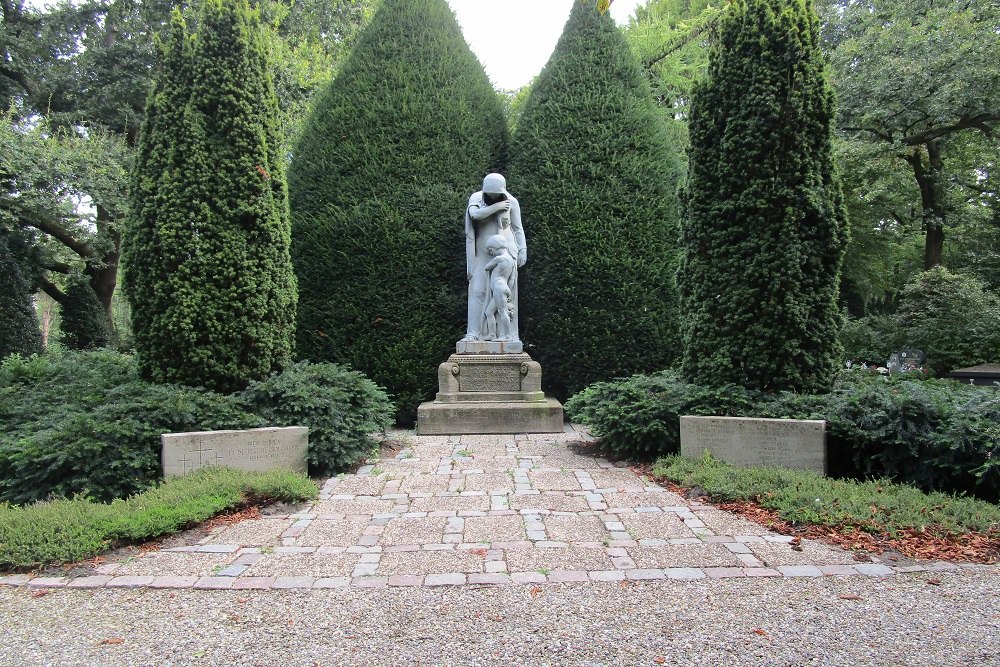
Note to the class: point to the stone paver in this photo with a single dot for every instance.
(333, 532)
(253, 532)
(483, 510)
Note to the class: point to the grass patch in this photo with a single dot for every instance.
(806, 498)
(68, 530)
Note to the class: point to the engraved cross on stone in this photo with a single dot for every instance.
(184, 460)
(201, 451)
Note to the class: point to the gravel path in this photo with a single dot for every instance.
(500, 550)
(892, 621)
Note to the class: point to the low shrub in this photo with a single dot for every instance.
(808, 498)
(936, 434)
(82, 423)
(639, 417)
(109, 450)
(63, 530)
(342, 409)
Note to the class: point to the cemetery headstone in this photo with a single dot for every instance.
(259, 449)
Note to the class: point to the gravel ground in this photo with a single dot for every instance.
(898, 621)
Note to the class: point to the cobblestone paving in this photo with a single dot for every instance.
(477, 510)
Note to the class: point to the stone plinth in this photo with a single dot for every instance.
(258, 449)
(489, 393)
(489, 347)
(745, 441)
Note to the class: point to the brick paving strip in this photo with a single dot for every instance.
(481, 510)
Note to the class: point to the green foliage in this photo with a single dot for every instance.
(764, 230)
(84, 424)
(937, 435)
(19, 331)
(84, 324)
(380, 178)
(918, 84)
(342, 409)
(951, 318)
(807, 498)
(591, 166)
(639, 417)
(63, 530)
(870, 340)
(207, 263)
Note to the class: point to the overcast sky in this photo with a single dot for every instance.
(514, 38)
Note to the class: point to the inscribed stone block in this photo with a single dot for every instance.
(745, 441)
(258, 449)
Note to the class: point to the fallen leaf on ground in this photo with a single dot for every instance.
(42, 593)
(111, 640)
(659, 660)
(242, 600)
(934, 582)
(758, 631)
(478, 552)
(536, 591)
(850, 597)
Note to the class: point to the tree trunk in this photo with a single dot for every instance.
(104, 276)
(929, 176)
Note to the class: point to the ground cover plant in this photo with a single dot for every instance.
(935, 434)
(68, 530)
(84, 423)
(854, 511)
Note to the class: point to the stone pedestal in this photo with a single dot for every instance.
(489, 393)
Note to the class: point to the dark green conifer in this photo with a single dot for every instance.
(19, 330)
(591, 166)
(379, 182)
(764, 231)
(206, 253)
(84, 323)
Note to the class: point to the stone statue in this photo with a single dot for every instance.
(499, 299)
(493, 212)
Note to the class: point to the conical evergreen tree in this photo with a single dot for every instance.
(84, 324)
(379, 182)
(19, 330)
(764, 231)
(592, 168)
(207, 263)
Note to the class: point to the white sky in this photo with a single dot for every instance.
(514, 38)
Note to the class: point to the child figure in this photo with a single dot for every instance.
(499, 305)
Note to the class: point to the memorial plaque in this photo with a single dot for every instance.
(746, 441)
(258, 449)
(490, 377)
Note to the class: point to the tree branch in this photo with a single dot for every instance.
(979, 122)
(50, 289)
(57, 232)
(57, 267)
(20, 79)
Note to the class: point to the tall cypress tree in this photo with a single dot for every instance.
(379, 182)
(207, 260)
(19, 330)
(592, 168)
(764, 230)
